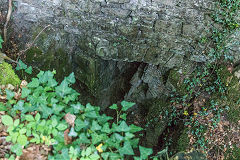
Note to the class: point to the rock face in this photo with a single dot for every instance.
(118, 49)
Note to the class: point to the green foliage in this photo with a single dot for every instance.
(99, 135)
(211, 78)
(1, 41)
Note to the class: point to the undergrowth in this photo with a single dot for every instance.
(45, 112)
(199, 108)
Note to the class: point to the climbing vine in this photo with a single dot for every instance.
(201, 107)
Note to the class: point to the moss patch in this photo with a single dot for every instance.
(183, 141)
(174, 79)
(233, 91)
(7, 75)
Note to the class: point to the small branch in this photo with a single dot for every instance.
(30, 45)
(7, 20)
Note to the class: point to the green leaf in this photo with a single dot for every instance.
(105, 155)
(94, 156)
(77, 107)
(114, 106)
(45, 76)
(103, 119)
(17, 148)
(16, 122)
(106, 128)
(23, 130)
(96, 138)
(54, 122)
(37, 117)
(88, 151)
(2, 107)
(128, 136)
(124, 116)
(25, 92)
(52, 83)
(118, 137)
(134, 142)
(134, 128)
(29, 70)
(22, 139)
(71, 78)
(7, 120)
(126, 149)
(21, 65)
(62, 127)
(123, 127)
(114, 156)
(126, 105)
(83, 139)
(95, 126)
(145, 152)
(19, 106)
(79, 124)
(34, 83)
(1, 41)
(29, 118)
(63, 88)
(10, 94)
(72, 133)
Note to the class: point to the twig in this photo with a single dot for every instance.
(7, 20)
(30, 45)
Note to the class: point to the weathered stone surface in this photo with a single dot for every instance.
(155, 32)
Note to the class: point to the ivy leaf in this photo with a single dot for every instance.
(22, 139)
(29, 70)
(19, 105)
(123, 127)
(106, 128)
(7, 120)
(17, 148)
(103, 119)
(45, 76)
(62, 127)
(114, 156)
(37, 117)
(16, 122)
(126, 149)
(54, 122)
(2, 107)
(21, 65)
(52, 83)
(10, 94)
(96, 138)
(134, 128)
(71, 78)
(25, 92)
(29, 118)
(72, 133)
(83, 139)
(63, 89)
(105, 155)
(79, 124)
(114, 106)
(124, 116)
(34, 83)
(145, 152)
(77, 107)
(95, 126)
(126, 105)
